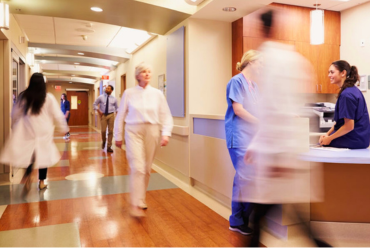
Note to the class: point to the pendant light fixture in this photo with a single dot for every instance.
(4, 15)
(317, 26)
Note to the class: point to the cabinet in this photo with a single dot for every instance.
(293, 27)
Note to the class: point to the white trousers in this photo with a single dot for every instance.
(142, 141)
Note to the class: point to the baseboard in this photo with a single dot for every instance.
(342, 234)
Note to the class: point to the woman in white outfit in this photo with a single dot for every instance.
(34, 118)
(148, 122)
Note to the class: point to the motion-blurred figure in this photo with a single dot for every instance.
(273, 173)
(149, 123)
(34, 118)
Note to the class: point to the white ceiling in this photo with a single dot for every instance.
(58, 29)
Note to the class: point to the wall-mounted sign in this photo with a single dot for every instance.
(58, 87)
(105, 77)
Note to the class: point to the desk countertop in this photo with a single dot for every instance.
(358, 156)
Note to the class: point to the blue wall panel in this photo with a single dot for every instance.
(209, 127)
(176, 72)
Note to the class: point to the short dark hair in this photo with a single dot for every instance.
(111, 87)
(267, 19)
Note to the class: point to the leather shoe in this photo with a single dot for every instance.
(103, 145)
(109, 149)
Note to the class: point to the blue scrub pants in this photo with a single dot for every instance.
(240, 211)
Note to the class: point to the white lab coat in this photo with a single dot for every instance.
(33, 134)
(281, 136)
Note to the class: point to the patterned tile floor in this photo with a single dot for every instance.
(94, 211)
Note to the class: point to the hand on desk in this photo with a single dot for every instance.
(325, 140)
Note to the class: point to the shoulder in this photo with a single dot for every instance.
(351, 92)
(236, 80)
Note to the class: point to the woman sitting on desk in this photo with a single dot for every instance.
(352, 124)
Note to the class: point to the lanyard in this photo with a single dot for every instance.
(251, 90)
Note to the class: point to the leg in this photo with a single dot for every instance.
(240, 211)
(260, 211)
(151, 140)
(136, 158)
(110, 121)
(103, 129)
(42, 177)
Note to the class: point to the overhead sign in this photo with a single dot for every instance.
(105, 77)
(58, 87)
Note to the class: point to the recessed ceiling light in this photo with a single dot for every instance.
(96, 9)
(77, 63)
(80, 53)
(229, 9)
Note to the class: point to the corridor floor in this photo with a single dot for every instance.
(86, 204)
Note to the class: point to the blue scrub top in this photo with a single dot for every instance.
(65, 106)
(351, 104)
(239, 133)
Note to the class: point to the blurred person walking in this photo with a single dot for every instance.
(35, 116)
(274, 174)
(242, 96)
(107, 108)
(66, 109)
(352, 125)
(149, 123)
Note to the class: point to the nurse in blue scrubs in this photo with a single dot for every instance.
(352, 125)
(240, 125)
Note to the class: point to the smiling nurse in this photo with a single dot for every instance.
(352, 126)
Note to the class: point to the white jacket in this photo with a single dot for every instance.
(276, 175)
(34, 134)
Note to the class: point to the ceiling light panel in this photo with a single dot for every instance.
(128, 37)
(96, 9)
(39, 29)
(70, 32)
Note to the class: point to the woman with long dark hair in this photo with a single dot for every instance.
(34, 118)
(352, 125)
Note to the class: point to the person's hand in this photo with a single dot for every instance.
(326, 141)
(249, 157)
(66, 116)
(100, 113)
(164, 140)
(119, 144)
(322, 138)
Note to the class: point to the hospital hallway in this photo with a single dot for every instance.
(86, 204)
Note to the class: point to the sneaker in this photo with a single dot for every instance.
(68, 135)
(241, 229)
(143, 206)
(64, 137)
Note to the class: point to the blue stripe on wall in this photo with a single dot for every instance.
(209, 127)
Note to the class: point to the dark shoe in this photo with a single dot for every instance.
(109, 149)
(241, 229)
(103, 145)
(42, 185)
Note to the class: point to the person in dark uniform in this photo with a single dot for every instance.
(66, 108)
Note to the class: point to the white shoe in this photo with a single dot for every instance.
(143, 205)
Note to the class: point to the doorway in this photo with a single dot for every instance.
(79, 101)
(123, 84)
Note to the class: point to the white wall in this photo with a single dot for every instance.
(354, 27)
(210, 61)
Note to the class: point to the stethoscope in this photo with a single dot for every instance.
(251, 90)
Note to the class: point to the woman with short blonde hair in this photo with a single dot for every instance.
(148, 122)
(242, 96)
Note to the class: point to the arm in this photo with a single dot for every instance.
(120, 118)
(68, 109)
(165, 117)
(95, 105)
(244, 114)
(17, 112)
(116, 106)
(348, 126)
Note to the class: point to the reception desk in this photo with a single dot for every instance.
(346, 185)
